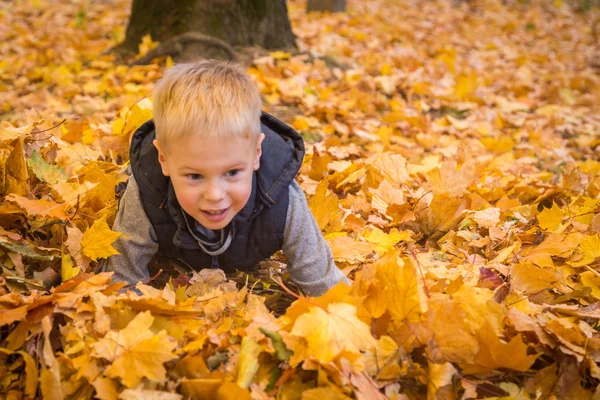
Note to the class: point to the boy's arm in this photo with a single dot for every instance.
(138, 244)
(311, 264)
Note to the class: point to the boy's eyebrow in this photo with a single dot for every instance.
(241, 164)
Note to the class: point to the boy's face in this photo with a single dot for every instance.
(212, 178)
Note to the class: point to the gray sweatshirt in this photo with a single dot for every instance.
(310, 262)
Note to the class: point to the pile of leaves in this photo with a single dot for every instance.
(452, 165)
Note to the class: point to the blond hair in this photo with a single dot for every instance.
(211, 98)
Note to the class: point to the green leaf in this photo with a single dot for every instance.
(217, 359)
(25, 251)
(44, 171)
(283, 354)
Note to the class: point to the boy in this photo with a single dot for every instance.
(213, 183)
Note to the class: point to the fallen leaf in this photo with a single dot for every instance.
(96, 241)
(330, 331)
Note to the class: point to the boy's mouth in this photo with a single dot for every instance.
(215, 215)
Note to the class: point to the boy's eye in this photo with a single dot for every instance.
(194, 177)
(233, 172)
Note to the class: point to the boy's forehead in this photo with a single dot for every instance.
(218, 150)
(210, 139)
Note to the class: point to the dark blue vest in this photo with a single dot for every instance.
(258, 227)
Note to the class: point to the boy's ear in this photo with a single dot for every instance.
(259, 141)
(161, 158)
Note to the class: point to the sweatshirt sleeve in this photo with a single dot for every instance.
(310, 261)
(139, 242)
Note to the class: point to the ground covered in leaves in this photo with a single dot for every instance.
(452, 165)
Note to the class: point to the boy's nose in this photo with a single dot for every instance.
(214, 192)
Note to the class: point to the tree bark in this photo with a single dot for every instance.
(263, 23)
(326, 5)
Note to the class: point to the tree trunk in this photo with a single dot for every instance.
(326, 5)
(263, 23)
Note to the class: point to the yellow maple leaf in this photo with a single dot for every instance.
(136, 352)
(442, 213)
(505, 253)
(393, 166)
(550, 218)
(319, 165)
(465, 85)
(146, 45)
(530, 278)
(451, 336)
(488, 217)
(449, 179)
(499, 145)
(329, 332)
(325, 208)
(97, 240)
(384, 354)
(347, 249)
(280, 55)
(590, 249)
(561, 245)
(115, 343)
(386, 195)
(67, 270)
(300, 123)
(401, 288)
(88, 137)
(495, 353)
(384, 241)
(132, 118)
(439, 375)
(591, 280)
(144, 360)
